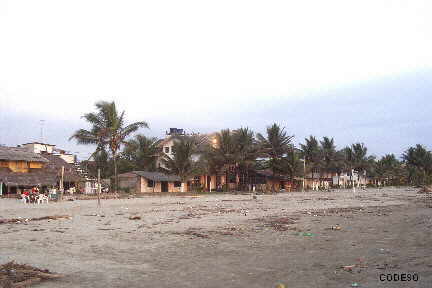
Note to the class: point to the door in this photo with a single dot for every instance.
(164, 186)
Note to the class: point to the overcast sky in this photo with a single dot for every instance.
(360, 71)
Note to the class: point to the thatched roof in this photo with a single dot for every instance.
(155, 176)
(20, 154)
(48, 175)
(28, 179)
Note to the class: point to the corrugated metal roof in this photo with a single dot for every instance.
(19, 154)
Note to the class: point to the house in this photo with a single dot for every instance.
(74, 175)
(35, 164)
(20, 168)
(148, 182)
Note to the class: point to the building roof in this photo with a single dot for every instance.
(156, 176)
(48, 175)
(269, 174)
(20, 154)
(40, 143)
(54, 166)
(28, 179)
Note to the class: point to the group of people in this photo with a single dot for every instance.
(31, 196)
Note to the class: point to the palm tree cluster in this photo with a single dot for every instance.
(108, 132)
(239, 153)
(418, 161)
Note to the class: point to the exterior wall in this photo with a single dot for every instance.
(128, 181)
(21, 166)
(16, 166)
(39, 147)
(69, 158)
(36, 165)
(171, 188)
(143, 187)
(146, 189)
(168, 144)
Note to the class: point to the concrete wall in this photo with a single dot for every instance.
(143, 184)
(39, 147)
(129, 181)
(69, 158)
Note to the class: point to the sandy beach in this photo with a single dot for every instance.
(298, 239)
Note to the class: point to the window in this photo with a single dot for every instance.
(150, 183)
(167, 149)
(177, 184)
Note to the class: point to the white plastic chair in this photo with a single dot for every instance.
(41, 198)
(24, 198)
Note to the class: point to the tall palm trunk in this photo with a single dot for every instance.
(115, 172)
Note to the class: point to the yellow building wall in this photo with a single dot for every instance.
(36, 165)
(20, 166)
(158, 187)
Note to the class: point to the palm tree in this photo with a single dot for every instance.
(388, 167)
(224, 154)
(246, 152)
(108, 129)
(275, 147)
(328, 154)
(311, 153)
(142, 152)
(419, 162)
(294, 165)
(182, 164)
(355, 157)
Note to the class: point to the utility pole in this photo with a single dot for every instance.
(61, 183)
(304, 173)
(42, 122)
(99, 188)
(352, 178)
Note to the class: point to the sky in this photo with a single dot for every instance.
(358, 71)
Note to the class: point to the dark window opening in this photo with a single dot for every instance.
(177, 184)
(150, 183)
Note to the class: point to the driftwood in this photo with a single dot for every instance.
(425, 189)
(22, 220)
(13, 275)
(27, 283)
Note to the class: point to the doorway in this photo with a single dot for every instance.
(164, 186)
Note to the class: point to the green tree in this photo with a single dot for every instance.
(246, 153)
(142, 152)
(389, 168)
(419, 164)
(108, 130)
(311, 152)
(223, 153)
(329, 156)
(275, 146)
(182, 164)
(293, 164)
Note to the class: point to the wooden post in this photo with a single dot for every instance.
(99, 188)
(61, 183)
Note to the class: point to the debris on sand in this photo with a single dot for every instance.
(22, 220)
(135, 218)
(279, 223)
(21, 275)
(335, 227)
(192, 232)
(425, 189)
(307, 234)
